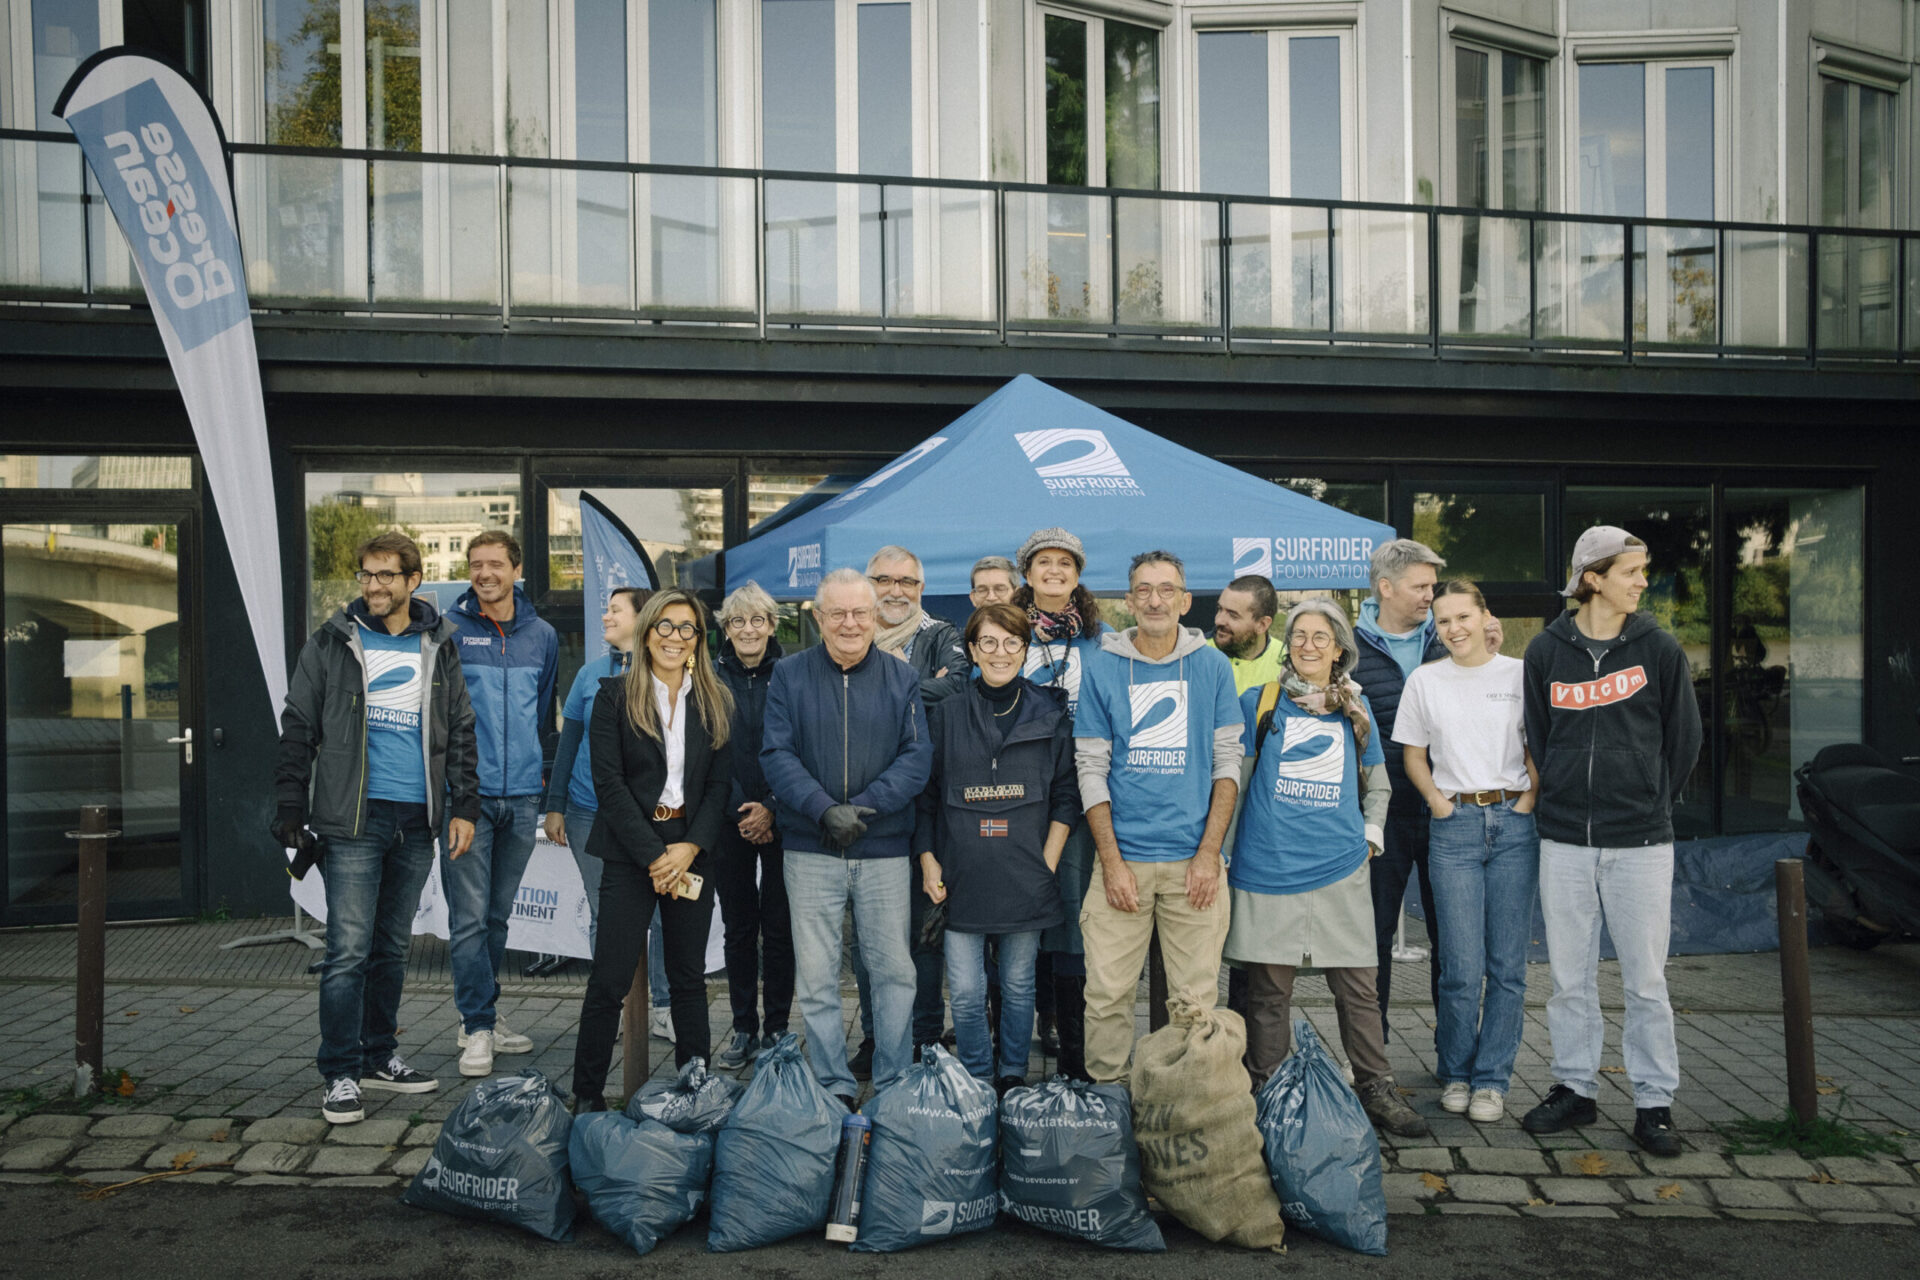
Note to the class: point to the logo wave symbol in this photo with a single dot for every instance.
(887, 473)
(1313, 751)
(1253, 555)
(1150, 729)
(1098, 460)
(936, 1217)
(393, 680)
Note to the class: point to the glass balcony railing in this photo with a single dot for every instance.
(772, 254)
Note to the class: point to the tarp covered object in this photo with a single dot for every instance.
(1030, 457)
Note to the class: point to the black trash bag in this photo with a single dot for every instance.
(696, 1102)
(502, 1156)
(931, 1171)
(773, 1161)
(1321, 1150)
(1068, 1164)
(642, 1179)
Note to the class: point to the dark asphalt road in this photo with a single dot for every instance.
(161, 1231)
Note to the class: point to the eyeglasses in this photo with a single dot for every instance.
(756, 621)
(1165, 591)
(838, 616)
(1310, 640)
(384, 577)
(885, 580)
(992, 591)
(994, 644)
(667, 630)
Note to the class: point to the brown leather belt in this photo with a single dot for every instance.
(1484, 798)
(661, 813)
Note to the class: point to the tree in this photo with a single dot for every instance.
(334, 530)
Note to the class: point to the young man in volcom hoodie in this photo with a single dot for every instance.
(1157, 748)
(1614, 728)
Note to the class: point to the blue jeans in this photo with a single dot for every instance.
(373, 888)
(579, 827)
(481, 886)
(1485, 863)
(819, 886)
(1633, 889)
(929, 1008)
(967, 982)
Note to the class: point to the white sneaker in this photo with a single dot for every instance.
(660, 1023)
(476, 1058)
(505, 1040)
(1487, 1106)
(1455, 1097)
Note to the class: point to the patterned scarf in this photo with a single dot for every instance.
(1342, 695)
(1066, 624)
(895, 639)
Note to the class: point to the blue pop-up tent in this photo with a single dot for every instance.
(1030, 457)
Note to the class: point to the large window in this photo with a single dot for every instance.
(1857, 174)
(1499, 162)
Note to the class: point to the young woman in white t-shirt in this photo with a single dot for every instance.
(1461, 724)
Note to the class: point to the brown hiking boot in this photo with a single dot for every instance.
(1389, 1111)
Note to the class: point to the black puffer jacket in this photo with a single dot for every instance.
(1381, 679)
(749, 688)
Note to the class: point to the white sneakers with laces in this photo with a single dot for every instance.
(1488, 1105)
(1456, 1096)
(476, 1055)
(505, 1039)
(660, 1023)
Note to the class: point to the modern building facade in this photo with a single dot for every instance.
(1490, 270)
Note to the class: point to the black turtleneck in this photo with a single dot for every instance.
(1000, 700)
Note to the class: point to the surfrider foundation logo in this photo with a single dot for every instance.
(1253, 556)
(1310, 558)
(1313, 762)
(1096, 471)
(1158, 741)
(803, 565)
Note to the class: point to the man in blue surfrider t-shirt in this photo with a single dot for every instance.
(1157, 747)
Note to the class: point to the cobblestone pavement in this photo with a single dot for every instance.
(224, 1075)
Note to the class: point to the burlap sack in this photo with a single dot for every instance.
(1200, 1150)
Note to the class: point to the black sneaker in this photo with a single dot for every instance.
(398, 1077)
(340, 1101)
(1007, 1084)
(861, 1064)
(740, 1047)
(848, 1101)
(1561, 1109)
(586, 1104)
(1653, 1130)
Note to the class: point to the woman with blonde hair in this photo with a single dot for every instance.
(662, 766)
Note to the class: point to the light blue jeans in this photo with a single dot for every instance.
(1485, 867)
(1633, 890)
(819, 887)
(579, 827)
(967, 984)
(481, 886)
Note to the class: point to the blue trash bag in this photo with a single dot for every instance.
(773, 1161)
(502, 1156)
(1068, 1164)
(697, 1101)
(931, 1167)
(1321, 1150)
(642, 1179)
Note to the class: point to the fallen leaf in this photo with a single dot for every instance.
(1824, 1079)
(219, 1136)
(1825, 1089)
(1406, 1093)
(186, 1008)
(1669, 1192)
(185, 1158)
(1683, 1011)
(1827, 1178)
(1901, 1133)
(1433, 1182)
(1593, 1164)
(125, 1087)
(1536, 1200)
(1614, 1071)
(131, 1013)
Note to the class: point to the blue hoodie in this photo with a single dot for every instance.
(511, 672)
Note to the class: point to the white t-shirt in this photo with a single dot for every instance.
(673, 737)
(1469, 720)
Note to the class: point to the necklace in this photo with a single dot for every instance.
(1010, 705)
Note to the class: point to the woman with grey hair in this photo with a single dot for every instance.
(749, 865)
(1298, 883)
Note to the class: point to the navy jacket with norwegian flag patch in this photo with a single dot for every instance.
(1614, 737)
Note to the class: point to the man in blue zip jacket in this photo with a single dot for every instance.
(511, 658)
(846, 754)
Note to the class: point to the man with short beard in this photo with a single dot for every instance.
(1242, 629)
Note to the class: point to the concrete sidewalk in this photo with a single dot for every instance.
(221, 1045)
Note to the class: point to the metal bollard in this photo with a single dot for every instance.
(636, 1054)
(90, 965)
(1796, 997)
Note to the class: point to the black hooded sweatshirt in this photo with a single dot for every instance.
(1614, 729)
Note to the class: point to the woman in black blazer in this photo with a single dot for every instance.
(661, 769)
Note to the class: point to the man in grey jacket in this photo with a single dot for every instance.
(376, 746)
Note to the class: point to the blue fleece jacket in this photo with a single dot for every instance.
(511, 671)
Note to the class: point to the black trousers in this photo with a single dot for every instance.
(626, 906)
(1404, 855)
(759, 931)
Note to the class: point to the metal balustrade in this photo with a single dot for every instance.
(771, 254)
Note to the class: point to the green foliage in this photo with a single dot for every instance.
(1820, 1138)
(334, 531)
(309, 114)
(215, 914)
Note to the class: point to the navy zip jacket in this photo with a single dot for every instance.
(986, 810)
(511, 671)
(1380, 678)
(749, 688)
(853, 736)
(1614, 737)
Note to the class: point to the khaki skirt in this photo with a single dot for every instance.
(1327, 928)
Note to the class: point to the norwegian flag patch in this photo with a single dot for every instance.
(990, 827)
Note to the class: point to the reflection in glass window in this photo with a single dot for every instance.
(95, 471)
(1232, 100)
(439, 510)
(1856, 190)
(1133, 106)
(393, 75)
(673, 526)
(1489, 537)
(1313, 116)
(770, 494)
(302, 46)
(1690, 129)
(1359, 497)
(470, 114)
(797, 77)
(65, 34)
(886, 95)
(1066, 101)
(1795, 654)
(1613, 138)
(682, 101)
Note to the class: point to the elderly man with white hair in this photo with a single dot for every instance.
(845, 752)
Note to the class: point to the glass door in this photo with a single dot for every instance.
(97, 711)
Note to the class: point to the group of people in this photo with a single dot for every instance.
(1020, 807)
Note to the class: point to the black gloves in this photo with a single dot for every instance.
(290, 828)
(843, 824)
